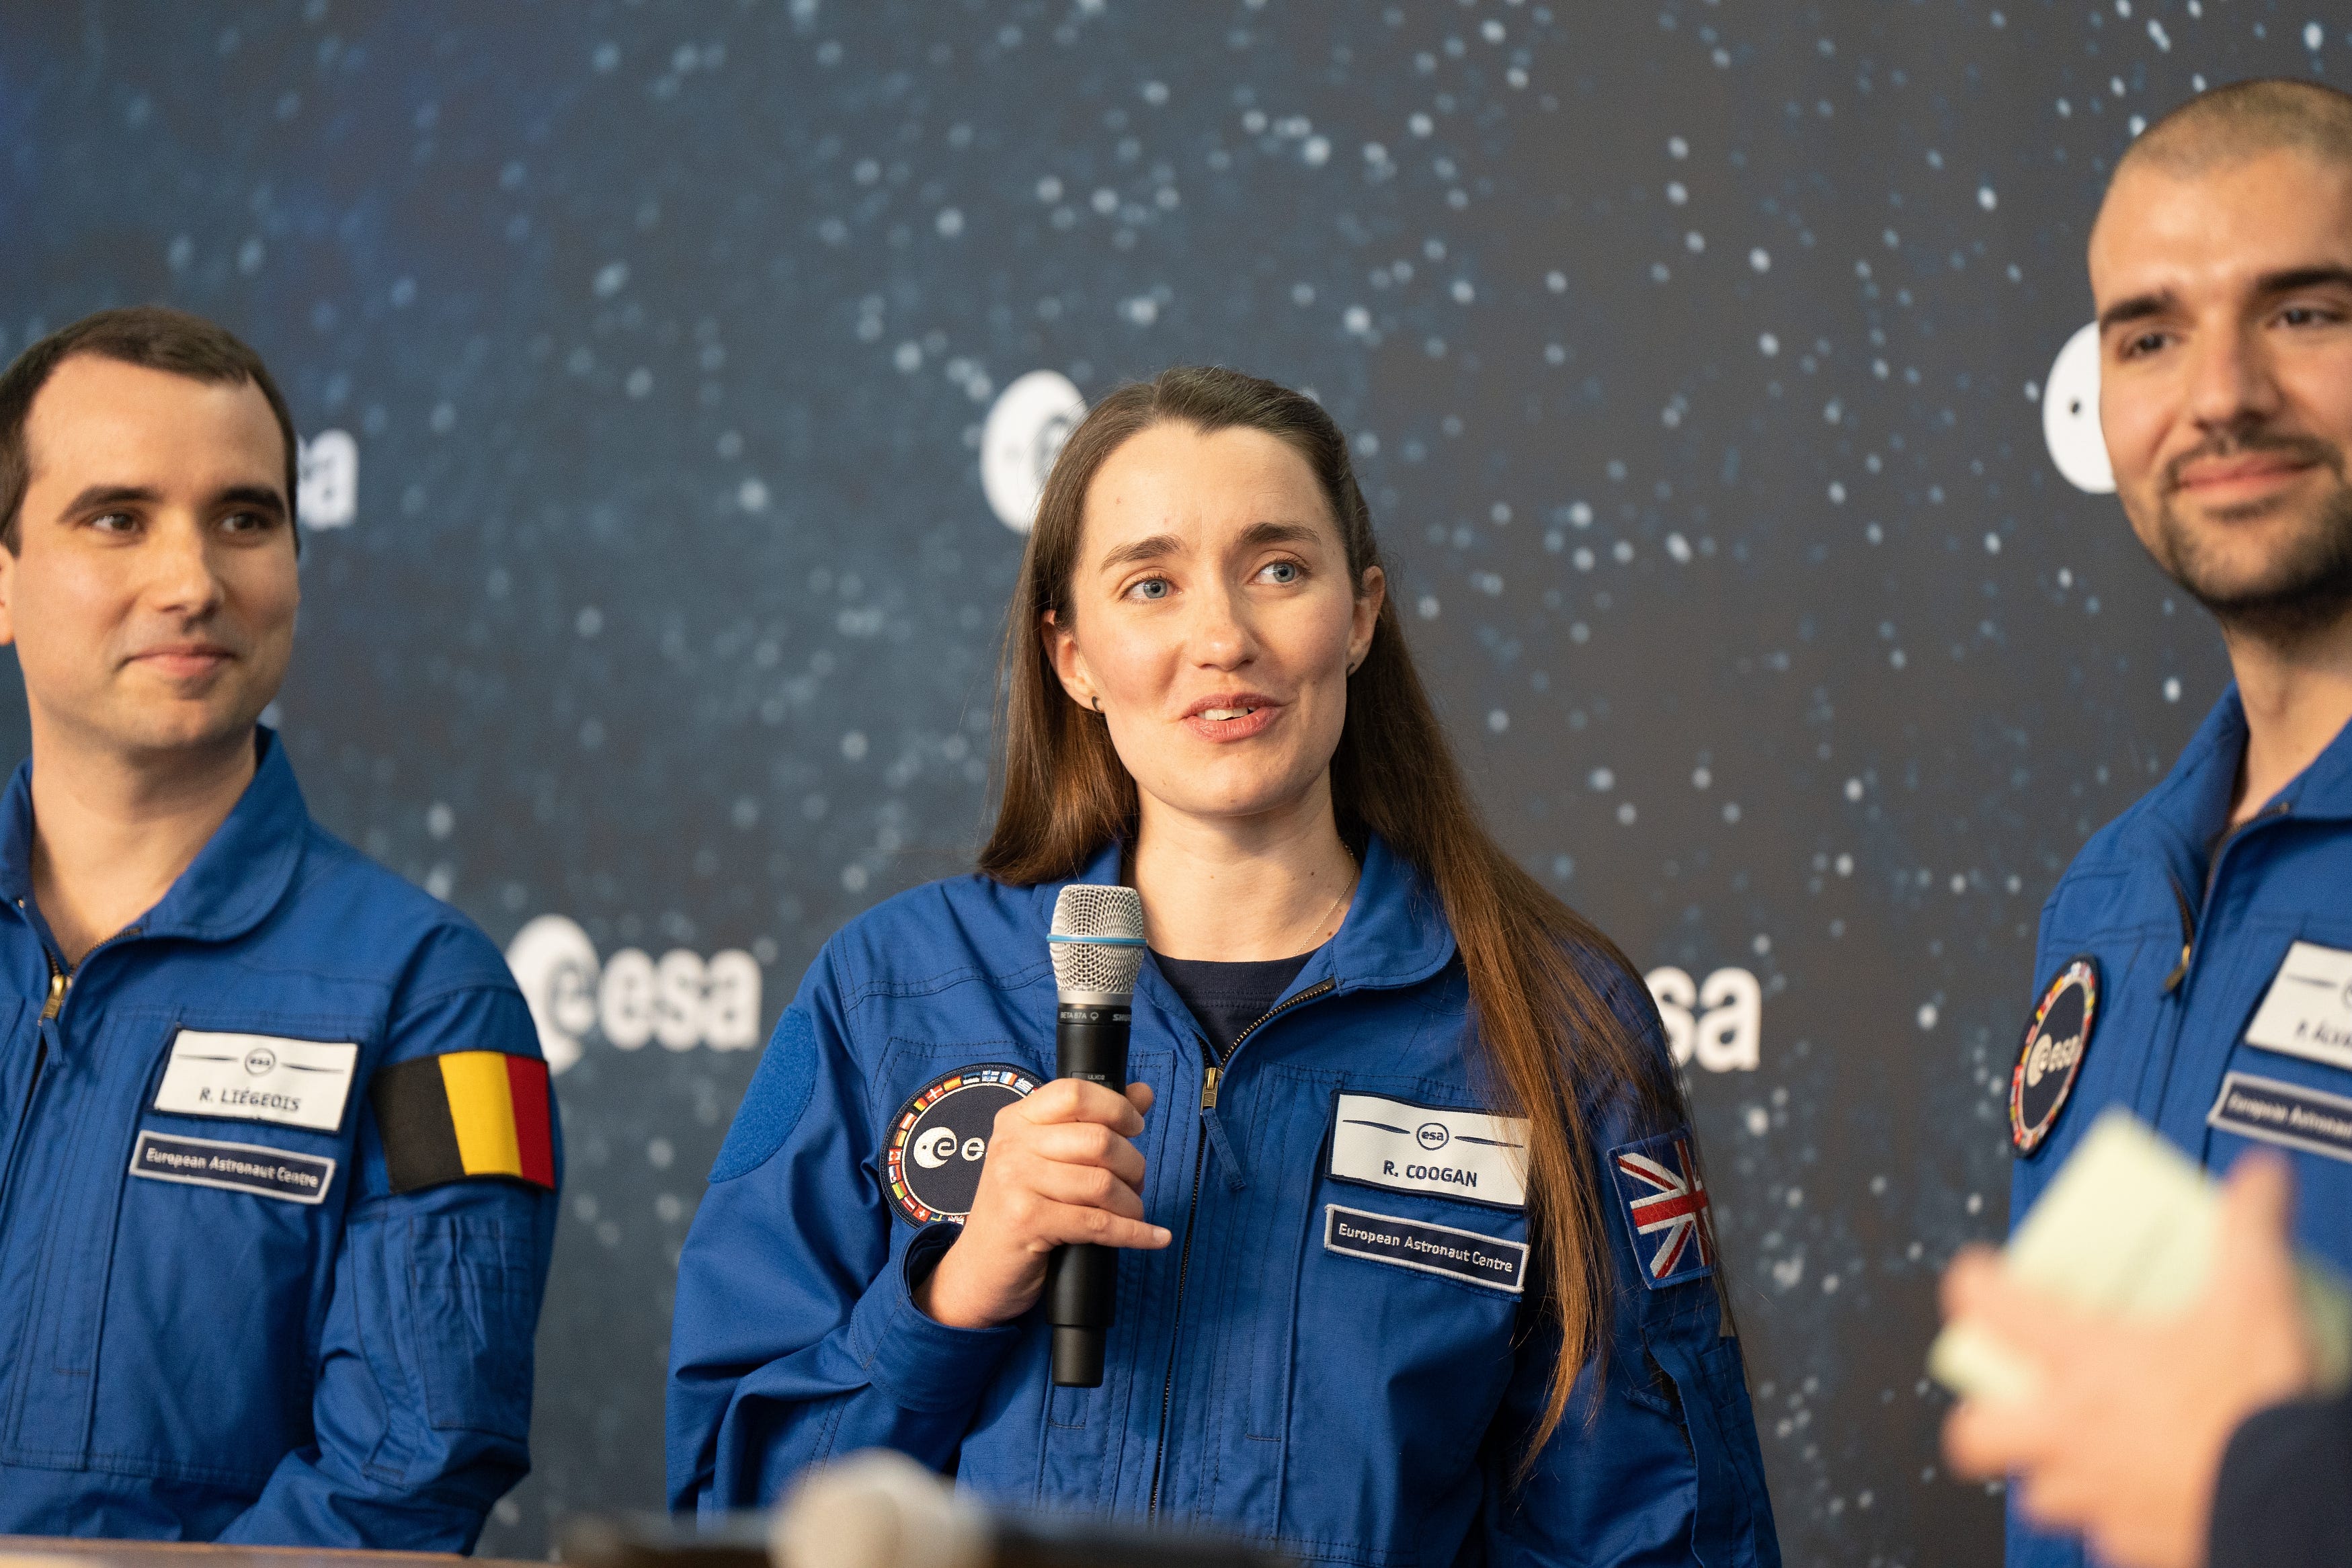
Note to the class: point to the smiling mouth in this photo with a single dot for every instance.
(1219, 715)
(2247, 474)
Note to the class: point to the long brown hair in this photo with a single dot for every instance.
(1548, 1042)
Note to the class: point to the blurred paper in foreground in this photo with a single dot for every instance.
(2128, 1227)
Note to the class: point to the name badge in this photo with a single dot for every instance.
(240, 1167)
(2307, 1012)
(257, 1077)
(1417, 1148)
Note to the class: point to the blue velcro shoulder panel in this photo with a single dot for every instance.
(773, 1105)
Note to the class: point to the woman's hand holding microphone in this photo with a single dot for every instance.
(1061, 1168)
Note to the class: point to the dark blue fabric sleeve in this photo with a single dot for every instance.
(1656, 1460)
(2283, 1499)
(796, 1335)
(421, 1419)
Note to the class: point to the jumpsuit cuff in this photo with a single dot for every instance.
(919, 1363)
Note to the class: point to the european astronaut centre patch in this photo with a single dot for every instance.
(1445, 1249)
(1667, 1208)
(240, 1167)
(2286, 1113)
(932, 1159)
(2051, 1057)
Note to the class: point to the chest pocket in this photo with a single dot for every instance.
(2293, 1093)
(1382, 1315)
(171, 1242)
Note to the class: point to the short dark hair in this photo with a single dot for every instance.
(152, 337)
(2245, 120)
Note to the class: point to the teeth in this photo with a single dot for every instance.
(1226, 713)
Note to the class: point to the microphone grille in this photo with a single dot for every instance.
(1098, 909)
(1099, 945)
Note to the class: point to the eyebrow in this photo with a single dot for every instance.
(2300, 278)
(260, 497)
(1159, 547)
(2139, 307)
(99, 496)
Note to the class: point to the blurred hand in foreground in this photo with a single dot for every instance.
(2123, 1437)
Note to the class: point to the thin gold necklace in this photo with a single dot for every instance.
(1344, 894)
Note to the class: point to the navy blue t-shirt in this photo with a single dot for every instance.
(1225, 998)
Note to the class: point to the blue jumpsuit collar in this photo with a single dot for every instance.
(1395, 933)
(2193, 802)
(235, 879)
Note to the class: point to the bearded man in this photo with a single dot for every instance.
(2195, 963)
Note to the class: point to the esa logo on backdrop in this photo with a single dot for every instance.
(681, 999)
(1024, 433)
(2070, 415)
(328, 470)
(1719, 1023)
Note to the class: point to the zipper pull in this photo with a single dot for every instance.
(57, 984)
(2187, 937)
(1209, 1077)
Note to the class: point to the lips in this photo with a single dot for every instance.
(183, 660)
(1232, 715)
(2238, 473)
(2247, 466)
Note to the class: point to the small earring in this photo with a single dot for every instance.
(1097, 704)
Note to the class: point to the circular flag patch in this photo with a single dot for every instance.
(938, 1139)
(2052, 1053)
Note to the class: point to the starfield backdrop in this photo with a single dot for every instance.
(675, 379)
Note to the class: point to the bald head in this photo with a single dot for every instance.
(2242, 120)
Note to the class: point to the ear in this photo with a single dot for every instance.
(8, 591)
(1366, 615)
(1062, 650)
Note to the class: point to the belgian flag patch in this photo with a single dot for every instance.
(463, 1115)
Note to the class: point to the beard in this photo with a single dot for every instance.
(2305, 585)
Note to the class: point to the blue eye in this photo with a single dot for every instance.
(1152, 588)
(1285, 572)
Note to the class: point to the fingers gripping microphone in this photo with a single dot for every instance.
(1097, 946)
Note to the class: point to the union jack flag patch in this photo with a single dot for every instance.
(1665, 1207)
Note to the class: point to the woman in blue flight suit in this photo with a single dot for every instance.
(1395, 1289)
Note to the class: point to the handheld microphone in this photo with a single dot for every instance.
(881, 1510)
(1097, 946)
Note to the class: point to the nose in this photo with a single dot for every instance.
(1220, 635)
(2232, 387)
(184, 577)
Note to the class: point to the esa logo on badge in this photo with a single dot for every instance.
(940, 1136)
(2052, 1056)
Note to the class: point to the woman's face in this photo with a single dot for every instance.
(1213, 616)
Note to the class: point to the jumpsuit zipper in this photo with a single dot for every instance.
(1213, 1073)
(58, 981)
(2189, 921)
(61, 981)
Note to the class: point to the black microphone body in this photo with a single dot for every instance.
(1089, 1042)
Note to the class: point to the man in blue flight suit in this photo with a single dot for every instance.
(2195, 960)
(277, 1161)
